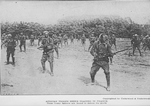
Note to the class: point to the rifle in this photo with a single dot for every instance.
(122, 50)
(42, 46)
(111, 55)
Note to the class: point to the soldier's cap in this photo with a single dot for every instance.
(45, 32)
(9, 35)
(136, 35)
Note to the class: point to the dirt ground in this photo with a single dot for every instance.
(129, 75)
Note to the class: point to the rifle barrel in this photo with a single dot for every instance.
(122, 50)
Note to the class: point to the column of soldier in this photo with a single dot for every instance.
(100, 48)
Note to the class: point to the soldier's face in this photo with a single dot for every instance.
(46, 35)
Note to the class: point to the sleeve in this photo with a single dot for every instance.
(93, 52)
(15, 43)
(51, 41)
(110, 54)
(132, 41)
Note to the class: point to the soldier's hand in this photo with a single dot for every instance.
(111, 54)
(38, 48)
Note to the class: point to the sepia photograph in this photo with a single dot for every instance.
(75, 47)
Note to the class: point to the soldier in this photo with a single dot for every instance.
(32, 40)
(17, 38)
(83, 40)
(22, 39)
(60, 40)
(101, 51)
(72, 38)
(78, 37)
(145, 42)
(48, 52)
(112, 41)
(10, 44)
(92, 39)
(4, 39)
(39, 39)
(107, 41)
(135, 42)
(148, 45)
(65, 39)
(56, 41)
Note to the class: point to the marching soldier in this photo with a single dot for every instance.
(4, 39)
(10, 44)
(146, 43)
(135, 42)
(83, 40)
(22, 42)
(78, 37)
(56, 46)
(60, 40)
(39, 39)
(17, 38)
(101, 51)
(65, 39)
(72, 38)
(113, 41)
(48, 52)
(32, 40)
(92, 39)
(107, 41)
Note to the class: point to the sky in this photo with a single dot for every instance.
(49, 12)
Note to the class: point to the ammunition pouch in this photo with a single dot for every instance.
(48, 51)
(101, 59)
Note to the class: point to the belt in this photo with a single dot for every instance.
(46, 53)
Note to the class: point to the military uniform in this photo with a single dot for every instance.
(32, 40)
(101, 52)
(92, 39)
(60, 40)
(39, 39)
(136, 44)
(113, 41)
(56, 44)
(83, 40)
(78, 37)
(10, 44)
(17, 38)
(71, 38)
(65, 39)
(146, 42)
(22, 42)
(48, 53)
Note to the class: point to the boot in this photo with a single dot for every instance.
(7, 60)
(92, 79)
(108, 81)
(13, 59)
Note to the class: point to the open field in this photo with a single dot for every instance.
(129, 75)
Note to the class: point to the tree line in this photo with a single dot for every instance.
(121, 27)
